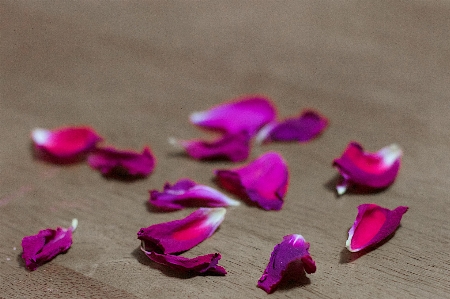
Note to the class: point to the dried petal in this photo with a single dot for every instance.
(292, 248)
(307, 126)
(47, 244)
(264, 181)
(246, 114)
(187, 193)
(373, 170)
(372, 225)
(181, 235)
(109, 160)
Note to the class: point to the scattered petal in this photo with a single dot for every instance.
(372, 225)
(307, 126)
(246, 114)
(292, 248)
(65, 143)
(47, 244)
(264, 181)
(373, 170)
(181, 235)
(109, 160)
(187, 193)
(233, 147)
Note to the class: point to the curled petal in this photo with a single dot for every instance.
(247, 114)
(233, 147)
(307, 126)
(47, 244)
(109, 160)
(187, 193)
(372, 225)
(181, 235)
(65, 143)
(293, 248)
(264, 181)
(374, 170)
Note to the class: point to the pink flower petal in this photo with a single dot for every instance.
(292, 248)
(245, 114)
(264, 181)
(187, 193)
(181, 235)
(109, 160)
(307, 126)
(65, 143)
(233, 147)
(372, 225)
(374, 170)
(47, 244)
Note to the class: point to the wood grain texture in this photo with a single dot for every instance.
(135, 70)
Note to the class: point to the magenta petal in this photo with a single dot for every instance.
(246, 114)
(372, 225)
(181, 235)
(187, 193)
(47, 244)
(374, 170)
(109, 160)
(264, 181)
(292, 248)
(65, 143)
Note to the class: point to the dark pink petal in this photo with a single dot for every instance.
(374, 170)
(187, 193)
(246, 114)
(293, 248)
(307, 126)
(181, 235)
(47, 244)
(264, 181)
(109, 160)
(65, 143)
(233, 147)
(372, 225)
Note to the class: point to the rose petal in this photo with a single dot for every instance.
(372, 225)
(181, 235)
(47, 244)
(233, 147)
(187, 193)
(292, 248)
(374, 170)
(109, 160)
(307, 126)
(264, 181)
(65, 143)
(246, 114)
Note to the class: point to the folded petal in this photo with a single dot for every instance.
(181, 235)
(374, 170)
(307, 126)
(65, 143)
(247, 114)
(109, 160)
(372, 225)
(264, 181)
(47, 244)
(233, 147)
(293, 248)
(187, 193)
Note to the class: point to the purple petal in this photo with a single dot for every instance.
(181, 235)
(292, 248)
(187, 193)
(47, 244)
(109, 160)
(264, 181)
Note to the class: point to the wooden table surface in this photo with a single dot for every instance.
(135, 70)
